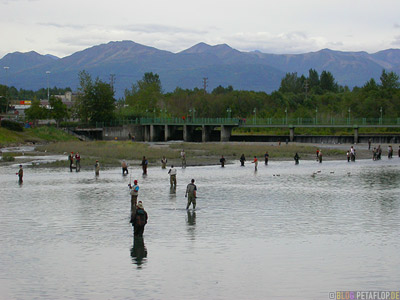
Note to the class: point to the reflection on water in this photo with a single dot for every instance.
(138, 251)
(285, 231)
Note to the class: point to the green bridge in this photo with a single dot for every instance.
(164, 129)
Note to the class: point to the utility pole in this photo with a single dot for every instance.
(112, 81)
(205, 79)
(48, 86)
(6, 69)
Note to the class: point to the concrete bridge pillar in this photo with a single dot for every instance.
(146, 133)
(355, 135)
(153, 133)
(225, 133)
(291, 134)
(166, 132)
(187, 133)
(205, 133)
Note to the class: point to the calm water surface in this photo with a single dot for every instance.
(279, 233)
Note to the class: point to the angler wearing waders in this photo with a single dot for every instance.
(97, 168)
(71, 161)
(20, 174)
(139, 220)
(164, 163)
(191, 190)
(134, 194)
(172, 176)
(222, 161)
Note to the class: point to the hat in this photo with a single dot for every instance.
(140, 204)
(135, 181)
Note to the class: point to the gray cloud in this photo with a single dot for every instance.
(66, 26)
(396, 41)
(157, 28)
(396, 25)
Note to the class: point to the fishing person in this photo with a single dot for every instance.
(164, 163)
(320, 156)
(134, 191)
(266, 157)
(172, 176)
(255, 162)
(139, 220)
(242, 160)
(78, 162)
(97, 168)
(144, 164)
(222, 161)
(71, 161)
(296, 158)
(191, 194)
(124, 167)
(183, 158)
(20, 174)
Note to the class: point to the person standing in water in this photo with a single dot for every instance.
(296, 158)
(191, 194)
(255, 162)
(20, 174)
(144, 165)
(172, 176)
(242, 160)
(222, 161)
(71, 160)
(78, 161)
(183, 158)
(139, 220)
(124, 167)
(320, 156)
(134, 195)
(164, 163)
(97, 168)
(266, 157)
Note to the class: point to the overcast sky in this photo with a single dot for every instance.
(284, 26)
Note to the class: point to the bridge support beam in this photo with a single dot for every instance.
(355, 135)
(146, 133)
(291, 138)
(187, 133)
(225, 133)
(205, 133)
(154, 133)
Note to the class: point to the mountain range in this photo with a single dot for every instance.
(220, 64)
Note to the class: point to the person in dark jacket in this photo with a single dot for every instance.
(222, 161)
(139, 220)
(242, 160)
(144, 165)
(296, 158)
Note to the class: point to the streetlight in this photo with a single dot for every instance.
(316, 114)
(194, 112)
(255, 114)
(229, 110)
(286, 115)
(6, 69)
(48, 85)
(380, 121)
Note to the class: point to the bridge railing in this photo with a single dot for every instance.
(322, 121)
(350, 122)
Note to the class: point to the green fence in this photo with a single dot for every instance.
(266, 122)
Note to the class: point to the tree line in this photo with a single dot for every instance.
(297, 97)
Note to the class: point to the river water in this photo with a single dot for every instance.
(283, 232)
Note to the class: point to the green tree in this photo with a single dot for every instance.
(36, 112)
(58, 109)
(389, 81)
(95, 101)
(327, 82)
(146, 94)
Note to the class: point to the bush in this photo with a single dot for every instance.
(11, 125)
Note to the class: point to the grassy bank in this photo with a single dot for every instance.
(111, 153)
(33, 135)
